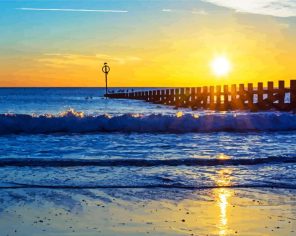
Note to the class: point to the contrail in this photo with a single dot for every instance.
(71, 10)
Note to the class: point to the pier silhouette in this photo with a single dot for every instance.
(221, 98)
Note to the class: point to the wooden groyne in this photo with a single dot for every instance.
(221, 98)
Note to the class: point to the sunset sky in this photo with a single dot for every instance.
(146, 43)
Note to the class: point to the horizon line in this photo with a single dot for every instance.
(103, 87)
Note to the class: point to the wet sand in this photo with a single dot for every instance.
(30, 212)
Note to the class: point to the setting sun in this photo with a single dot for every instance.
(221, 66)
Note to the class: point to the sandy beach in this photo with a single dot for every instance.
(33, 212)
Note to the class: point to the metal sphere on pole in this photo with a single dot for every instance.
(106, 70)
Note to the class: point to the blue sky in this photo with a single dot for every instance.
(145, 36)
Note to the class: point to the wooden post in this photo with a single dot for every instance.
(167, 97)
(250, 98)
(218, 97)
(226, 100)
(292, 94)
(177, 97)
(233, 96)
(193, 98)
(172, 97)
(157, 99)
(212, 97)
(182, 97)
(150, 96)
(187, 97)
(270, 98)
(133, 95)
(204, 97)
(260, 96)
(281, 95)
(146, 96)
(198, 98)
(162, 96)
(241, 101)
(153, 96)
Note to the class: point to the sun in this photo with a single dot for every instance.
(221, 66)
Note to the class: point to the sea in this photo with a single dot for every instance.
(75, 138)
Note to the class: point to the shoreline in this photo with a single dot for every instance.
(148, 212)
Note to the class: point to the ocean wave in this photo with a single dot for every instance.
(46, 162)
(14, 185)
(78, 122)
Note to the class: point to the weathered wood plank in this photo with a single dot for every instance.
(260, 92)
(250, 96)
(292, 94)
(226, 97)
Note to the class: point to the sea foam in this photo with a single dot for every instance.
(78, 122)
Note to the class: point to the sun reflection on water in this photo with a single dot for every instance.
(223, 157)
(179, 114)
(223, 202)
(223, 196)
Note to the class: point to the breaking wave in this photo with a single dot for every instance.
(45, 162)
(15, 185)
(78, 122)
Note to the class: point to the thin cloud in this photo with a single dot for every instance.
(167, 10)
(118, 60)
(200, 12)
(197, 12)
(60, 60)
(278, 8)
(71, 10)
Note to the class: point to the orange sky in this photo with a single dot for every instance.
(164, 49)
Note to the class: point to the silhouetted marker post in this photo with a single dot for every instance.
(106, 70)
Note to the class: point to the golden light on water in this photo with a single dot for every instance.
(223, 195)
(223, 203)
(223, 157)
(196, 116)
(221, 66)
(179, 114)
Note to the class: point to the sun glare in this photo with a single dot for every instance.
(221, 66)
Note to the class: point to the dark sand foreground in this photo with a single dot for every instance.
(30, 212)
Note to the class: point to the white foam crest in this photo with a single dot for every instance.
(72, 121)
